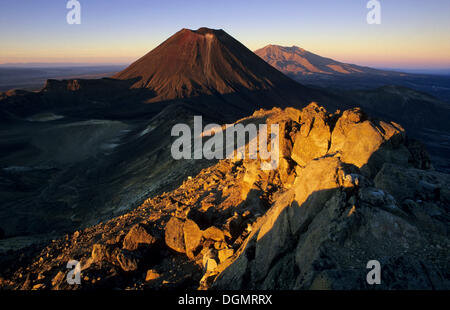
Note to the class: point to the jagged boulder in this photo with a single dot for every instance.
(138, 235)
(344, 124)
(214, 233)
(368, 144)
(350, 135)
(192, 236)
(313, 139)
(128, 261)
(225, 254)
(209, 261)
(174, 235)
(103, 252)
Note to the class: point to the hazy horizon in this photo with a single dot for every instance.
(33, 65)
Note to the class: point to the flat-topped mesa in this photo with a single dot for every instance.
(201, 62)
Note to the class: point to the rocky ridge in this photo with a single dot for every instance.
(348, 189)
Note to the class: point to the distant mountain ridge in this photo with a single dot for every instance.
(314, 70)
(298, 61)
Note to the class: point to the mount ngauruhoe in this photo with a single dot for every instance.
(202, 62)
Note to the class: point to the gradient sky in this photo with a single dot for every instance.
(412, 34)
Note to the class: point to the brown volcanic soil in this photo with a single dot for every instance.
(204, 61)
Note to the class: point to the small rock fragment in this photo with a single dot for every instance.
(151, 275)
(225, 254)
(127, 261)
(214, 233)
(136, 236)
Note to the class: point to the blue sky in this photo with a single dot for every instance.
(412, 33)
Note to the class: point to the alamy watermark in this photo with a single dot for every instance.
(374, 275)
(74, 15)
(228, 142)
(374, 15)
(74, 275)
